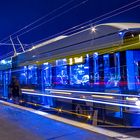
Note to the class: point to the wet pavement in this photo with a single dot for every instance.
(16, 124)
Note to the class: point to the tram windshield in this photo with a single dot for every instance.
(132, 37)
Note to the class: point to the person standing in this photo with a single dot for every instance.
(15, 91)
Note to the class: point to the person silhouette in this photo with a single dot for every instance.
(15, 91)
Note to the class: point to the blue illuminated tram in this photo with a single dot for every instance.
(97, 68)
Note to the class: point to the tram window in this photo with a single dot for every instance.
(32, 74)
(79, 74)
(113, 72)
(61, 72)
(1, 80)
(0, 76)
(47, 74)
(106, 68)
(137, 74)
(96, 68)
(23, 75)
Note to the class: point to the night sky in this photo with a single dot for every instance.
(15, 14)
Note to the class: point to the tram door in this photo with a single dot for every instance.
(6, 82)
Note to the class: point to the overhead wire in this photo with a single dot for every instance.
(100, 17)
(75, 6)
(25, 27)
(39, 19)
(80, 26)
(54, 17)
(9, 44)
(117, 13)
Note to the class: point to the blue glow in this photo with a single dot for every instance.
(3, 62)
(95, 54)
(106, 69)
(61, 75)
(87, 100)
(61, 62)
(6, 82)
(79, 74)
(23, 75)
(32, 74)
(130, 70)
(112, 74)
(121, 33)
(96, 68)
(98, 93)
(46, 75)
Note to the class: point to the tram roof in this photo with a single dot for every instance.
(121, 25)
(102, 29)
(115, 27)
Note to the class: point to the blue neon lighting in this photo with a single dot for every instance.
(79, 74)
(98, 93)
(87, 100)
(46, 75)
(120, 33)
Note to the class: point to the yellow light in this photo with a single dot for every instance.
(89, 117)
(78, 59)
(27, 89)
(60, 110)
(70, 61)
(21, 101)
(131, 99)
(57, 92)
(105, 97)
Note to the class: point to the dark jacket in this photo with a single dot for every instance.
(15, 89)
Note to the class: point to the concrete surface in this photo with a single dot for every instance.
(16, 124)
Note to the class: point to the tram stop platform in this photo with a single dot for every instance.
(21, 123)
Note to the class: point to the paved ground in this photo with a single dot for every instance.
(16, 124)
